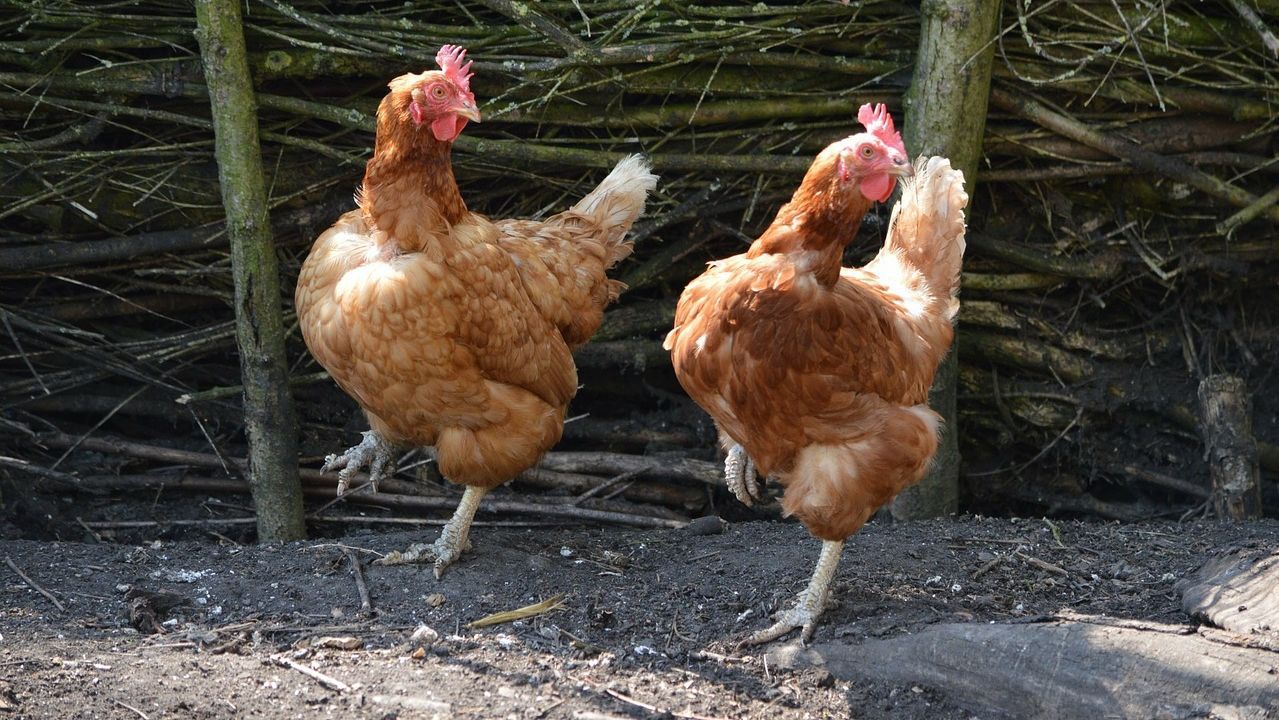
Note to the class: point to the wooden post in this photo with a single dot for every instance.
(268, 407)
(946, 115)
(1225, 414)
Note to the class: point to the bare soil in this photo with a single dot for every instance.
(186, 624)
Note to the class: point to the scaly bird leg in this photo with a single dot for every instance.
(453, 540)
(374, 452)
(810, 604)
(740, 475)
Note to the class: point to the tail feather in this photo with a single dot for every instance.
(927, 225)
(616, 202)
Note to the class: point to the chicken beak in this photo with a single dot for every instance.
(902, 167)
(468, 111)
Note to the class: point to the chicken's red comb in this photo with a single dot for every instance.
(450, 58)
(880, 124)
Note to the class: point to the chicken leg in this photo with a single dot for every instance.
(372, 452)
(810, 604)
(740, 475)
(453, 541)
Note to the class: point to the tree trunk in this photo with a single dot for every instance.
(1226, 415)
(268, 406)
(946, 115)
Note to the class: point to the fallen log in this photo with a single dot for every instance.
(1236, 592)
(1071, 668)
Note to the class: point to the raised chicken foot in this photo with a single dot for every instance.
(810, 604)
(453, 541)
(373, 452)
(740, 475)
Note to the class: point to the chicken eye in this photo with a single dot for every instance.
(868, 151)
(437, 92)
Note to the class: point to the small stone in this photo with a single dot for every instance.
(435, 599)
(424, 635)
(706, 525)
(346, 642)
(616, 559)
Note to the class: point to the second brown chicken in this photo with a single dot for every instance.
(818, 374)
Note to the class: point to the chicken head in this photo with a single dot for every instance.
(875, 158)
(439, 99)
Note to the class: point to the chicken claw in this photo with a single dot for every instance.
(810, 604)
(453, 541)
(739, 473)
(372, 452)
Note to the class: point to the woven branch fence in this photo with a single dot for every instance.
(1122, 234)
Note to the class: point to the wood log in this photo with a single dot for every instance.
(634, 515)
(1226, 413)
(1236, 592)
(597, 463)
(685, 498)
(1074, 668)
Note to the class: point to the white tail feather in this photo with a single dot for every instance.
(618, 200)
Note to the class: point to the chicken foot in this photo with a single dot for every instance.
(373, 452)
(453, 541)
(810, 604)
(740, 475)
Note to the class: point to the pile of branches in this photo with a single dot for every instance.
(1120, 243)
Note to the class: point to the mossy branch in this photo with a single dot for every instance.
(1036, 112)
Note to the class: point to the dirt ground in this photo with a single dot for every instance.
(202, 627)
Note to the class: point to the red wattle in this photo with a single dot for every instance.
(877, 187)
(448, 127)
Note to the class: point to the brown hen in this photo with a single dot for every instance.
(452, 331)
(817, 374)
